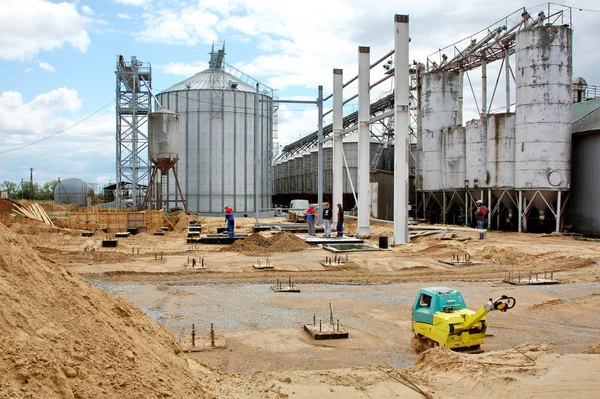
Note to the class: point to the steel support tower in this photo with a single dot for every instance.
(134, 103)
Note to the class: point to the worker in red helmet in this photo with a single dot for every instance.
(481, 216)
(230, 220)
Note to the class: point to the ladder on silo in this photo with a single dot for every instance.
(377, 155)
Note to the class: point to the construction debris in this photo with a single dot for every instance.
(33, 211)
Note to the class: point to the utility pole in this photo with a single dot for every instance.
(31, 183)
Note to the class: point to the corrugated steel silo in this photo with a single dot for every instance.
(217, 150)
(543, 108)
(439, 109)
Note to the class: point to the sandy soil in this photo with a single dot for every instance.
(552, 326)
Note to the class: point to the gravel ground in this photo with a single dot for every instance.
(566, 316)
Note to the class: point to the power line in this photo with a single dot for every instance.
(59, 132)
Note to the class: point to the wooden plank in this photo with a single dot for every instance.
(45, 215)
(25, 212)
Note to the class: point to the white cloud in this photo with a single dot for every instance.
(28, 27)
(87, 10)
(32, 118)
(46, 66)
(132, 2)
(90, 144)
(27, 70)
(182, 69)
(188, 26)
(123, 16)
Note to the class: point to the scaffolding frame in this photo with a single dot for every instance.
(133, 105)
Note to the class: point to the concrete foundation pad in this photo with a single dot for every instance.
(285, 288)
(202, 345)
(325, 331)
(216, 239)
(525, 281)
(351, 247)
(263, 267)
(314, 240)
(460, 263)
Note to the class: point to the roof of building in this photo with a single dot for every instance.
(586, 116)
(212, 79)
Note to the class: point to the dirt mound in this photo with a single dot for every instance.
(594, 349)
(439, 358)
(257, 243)
(64, 338)
(493, 254)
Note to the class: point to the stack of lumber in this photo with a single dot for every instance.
(33, 211)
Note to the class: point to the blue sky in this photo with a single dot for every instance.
(57, 61)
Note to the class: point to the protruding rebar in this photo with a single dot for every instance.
(212, 335)
(194, 335)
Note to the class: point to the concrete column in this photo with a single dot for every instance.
(520, 211)
(401, 132)
(320, 155)
(558, 210)
(338, 161)
(489, 205)
(364, 142)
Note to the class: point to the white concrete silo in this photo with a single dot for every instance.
(500, 173)
(226, 140)
(439, 110)
(453, 158)
(543, 115)
(476, 154)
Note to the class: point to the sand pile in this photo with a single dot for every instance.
(594, 349)
(257, 244)
(64, 338)
(493, 254)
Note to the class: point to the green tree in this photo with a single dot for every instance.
(46, 193)
(10, 187)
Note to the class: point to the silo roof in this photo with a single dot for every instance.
(212, 79)
(586, 116)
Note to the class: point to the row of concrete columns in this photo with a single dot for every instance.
(402, 140)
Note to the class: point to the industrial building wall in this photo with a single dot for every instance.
(584, 203)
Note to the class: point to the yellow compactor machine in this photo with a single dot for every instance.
(440, 318)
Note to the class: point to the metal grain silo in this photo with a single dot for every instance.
(439, 109)
(72, 191)
(218, 152)
(164, 136)
(543, 107)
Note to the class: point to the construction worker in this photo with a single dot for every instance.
(481, 216)
(327, 214)
(310, 219)
(230, 220)
(340, 221)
